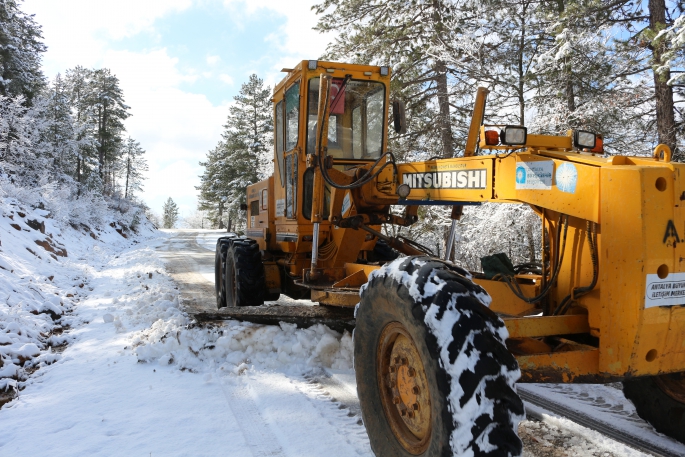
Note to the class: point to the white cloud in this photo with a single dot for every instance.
(226, 78)
(77, 31)
(176, 128)
(296, 38)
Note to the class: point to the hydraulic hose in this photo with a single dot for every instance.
(591, 230)
(514, 286)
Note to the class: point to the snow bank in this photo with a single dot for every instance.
(171, 338)
(44, 274)
(234, 346)
(49, 268)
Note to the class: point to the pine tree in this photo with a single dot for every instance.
(401, 33)
(169, 214)
(134, 167)
(18, 158)
(20, 52)
(56, 130)
(214, 185)
(83, 111)
(641, 30)
(109, 112)
(242, 157)
(249, 129)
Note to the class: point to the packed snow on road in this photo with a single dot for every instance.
(99, 358)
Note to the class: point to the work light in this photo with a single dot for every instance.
(384, 71)
(403, 190)
(513, 135)
(313, 64)
(583, 139)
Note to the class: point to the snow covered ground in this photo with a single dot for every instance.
(137, 377)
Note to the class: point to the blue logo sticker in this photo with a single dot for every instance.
(567, 178)
(520, 175)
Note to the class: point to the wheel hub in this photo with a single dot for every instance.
(404, 388)
(672, 385)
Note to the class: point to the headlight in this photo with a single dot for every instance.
(513, 135)
(583, 139)
(403, 190)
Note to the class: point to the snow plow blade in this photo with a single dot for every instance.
(337, 318)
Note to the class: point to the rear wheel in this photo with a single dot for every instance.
(660, 400)
(433, 375)
(219, 260)
(244, 283)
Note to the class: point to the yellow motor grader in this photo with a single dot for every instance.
(438, 349)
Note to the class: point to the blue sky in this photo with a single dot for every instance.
(180, 62)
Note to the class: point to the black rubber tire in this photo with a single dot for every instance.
(244, 274)
(451, 296)
(272, 297)
(666, 414)
(219, 260)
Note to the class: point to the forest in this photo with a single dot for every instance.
(63, 143)
(611, 67)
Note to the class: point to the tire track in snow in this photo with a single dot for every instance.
(337, 392)
(259, 438)
(586, 405)
(333, 398)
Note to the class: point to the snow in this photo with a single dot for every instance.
(138, 377)
(606, 404)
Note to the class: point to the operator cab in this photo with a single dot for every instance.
(356, 122)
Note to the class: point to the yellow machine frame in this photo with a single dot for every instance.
(631, 323)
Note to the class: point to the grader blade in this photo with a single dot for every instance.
(337, 318)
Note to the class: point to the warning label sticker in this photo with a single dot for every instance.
(669, 291)
(534, 175)
(280, 207)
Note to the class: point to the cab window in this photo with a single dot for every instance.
(279, 141)
(292, 116)
(356, 122)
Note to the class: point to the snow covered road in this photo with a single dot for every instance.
(99, 399)
(139, 378)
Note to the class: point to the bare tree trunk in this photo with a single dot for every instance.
(444, 123)
(101, 145)
(521, 71)
(531, 242)
(78, 176)
(128, 173)
(665, 118)
(440, 70)
(570, 94)
(221, 215)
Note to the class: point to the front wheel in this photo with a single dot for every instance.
(660, 400)
(434, 377)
